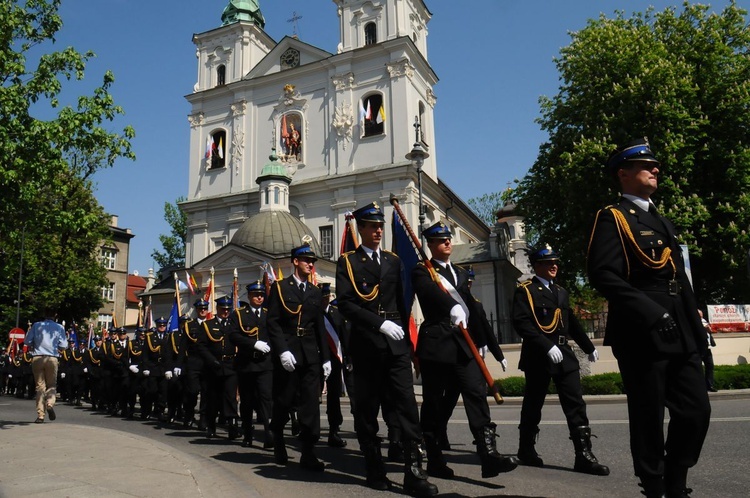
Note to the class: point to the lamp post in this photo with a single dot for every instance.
(417, 157)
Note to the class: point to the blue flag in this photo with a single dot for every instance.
(74, 335)
(174, 318)
(403, 247)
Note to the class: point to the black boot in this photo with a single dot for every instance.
(247, 440)
(233, 430)
(334, 440)
(653, 487)
(308, 460)
(493, 463)
(374, 468)
(436, 464)
(526, 452)
(675, 481)
(586, 462)
(395, 447)
(268, 440)
(295, 423)
(279, 447)
(415, 479)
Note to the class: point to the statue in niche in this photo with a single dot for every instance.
(291, 138)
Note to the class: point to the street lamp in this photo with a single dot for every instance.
(417, 157)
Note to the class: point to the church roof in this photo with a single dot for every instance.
(274, 169)
(274, 232)
(243, 10)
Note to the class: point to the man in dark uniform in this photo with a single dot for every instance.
(120, 362)
(175, 358)
(253, 363)
(135, 376)
(153, 368)
(542, 317)
(194, 380)
(337, 331)
(370, 295)
(446, 360)
(297, 332)
(93, 368)
(218, 352)
(653, 326)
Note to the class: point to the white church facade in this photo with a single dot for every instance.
(337, 127)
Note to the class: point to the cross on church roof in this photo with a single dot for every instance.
(295, 17)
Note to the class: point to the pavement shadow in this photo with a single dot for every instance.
(8, 424)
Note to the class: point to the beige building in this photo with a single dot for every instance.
(114, 254)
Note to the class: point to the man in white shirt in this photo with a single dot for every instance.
(44, 340)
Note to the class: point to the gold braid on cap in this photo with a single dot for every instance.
(366, 297)
(623, 227)
(556, 317)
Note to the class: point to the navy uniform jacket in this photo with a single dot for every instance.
(215, 345)
(365, 316)
(246, 330)
(155, 354)
(192, 329)
(174, 352)
(301, 334)
(541, 310)
(639, 296)
(438, 340)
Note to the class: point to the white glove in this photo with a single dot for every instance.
(168, 374)
(262, 346)
(62, 375)
(458, 316)
(133, 368)
(10, 376)
(483, 351)
(177, 371)
(85, 370)
(288, 361)
(594, 356)
(392, 330)
(146, 373)
(326, 369)
(504, 363)
(555, 355)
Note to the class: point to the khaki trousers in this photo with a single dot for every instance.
(44, 369)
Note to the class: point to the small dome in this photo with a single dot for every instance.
(274, 170)
(243, 10)
(274, 232)
(506, 211)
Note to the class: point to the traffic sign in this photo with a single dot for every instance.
(17, 334)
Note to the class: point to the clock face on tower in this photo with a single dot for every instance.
(290, 58)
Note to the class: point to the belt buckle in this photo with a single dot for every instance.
(674, 287)
(301, 332)
(562, 340)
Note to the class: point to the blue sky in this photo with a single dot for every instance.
(494, 60)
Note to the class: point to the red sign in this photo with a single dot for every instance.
(17, 334)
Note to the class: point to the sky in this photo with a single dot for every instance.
(494, 59)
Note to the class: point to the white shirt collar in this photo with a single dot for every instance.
(638, 201)
(544, 281)
(369, 251)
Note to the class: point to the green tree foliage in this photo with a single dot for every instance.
(682, 79)
(47, 153)
(486, 206)
(173, 244)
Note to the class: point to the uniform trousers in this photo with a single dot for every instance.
(256, 391)
(569, 392)
(382, 377)
(298, 389)
(651, 384)
(44, 369)
(221, 394)
(335, 385)
(463, 376)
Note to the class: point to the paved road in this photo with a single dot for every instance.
(84, 454)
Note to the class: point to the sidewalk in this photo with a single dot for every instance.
(47, 460)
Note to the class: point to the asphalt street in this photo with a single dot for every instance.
(84, 453)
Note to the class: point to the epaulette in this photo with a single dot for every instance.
(420, 263)
(525, 283)
(389, 252)
(348, 253)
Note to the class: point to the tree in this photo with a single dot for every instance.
(486, 206)
(680, 79)
(174, 244)
(48, 151)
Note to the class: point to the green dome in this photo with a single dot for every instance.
(242, 10)
(274, 169)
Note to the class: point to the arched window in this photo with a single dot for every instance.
(221, 75)
(373, 114)
(216, 150)
(422, 123)
(276, 195)
(371, 33)
(267, 197)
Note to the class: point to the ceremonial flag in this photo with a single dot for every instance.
(403, 247)
(279, 276)
(208, 147)
(284, 130)
(221, 147)
(207, 297)
(362, 111)
(174, 318)
(90, 341)
(380, 118)
(349, 240)
(181, 286)
(190, 281)
(368, 112)
(235, 291)
(74, 334)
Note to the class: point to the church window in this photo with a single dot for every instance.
(267, 197)
(290, 138)
(373, 115)
(422, 123)
(276, 195)
(326, 241)
(221, 75)
(217, 143)
(371, 33)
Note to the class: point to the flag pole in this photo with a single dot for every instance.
(428, 264)
(177, 293)
(213, 293)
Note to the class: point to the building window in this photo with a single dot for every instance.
(371, 33)
(108, 258)
(217, 242)
(326, 241)
(216, 150)
(373, 115)
(108, 292)
(221, 75)
(421, 124)
(103, 322)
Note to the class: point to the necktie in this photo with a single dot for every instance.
(449, 274)
(652, 210)
(302, 287)
(375, 258)
(257, 312)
